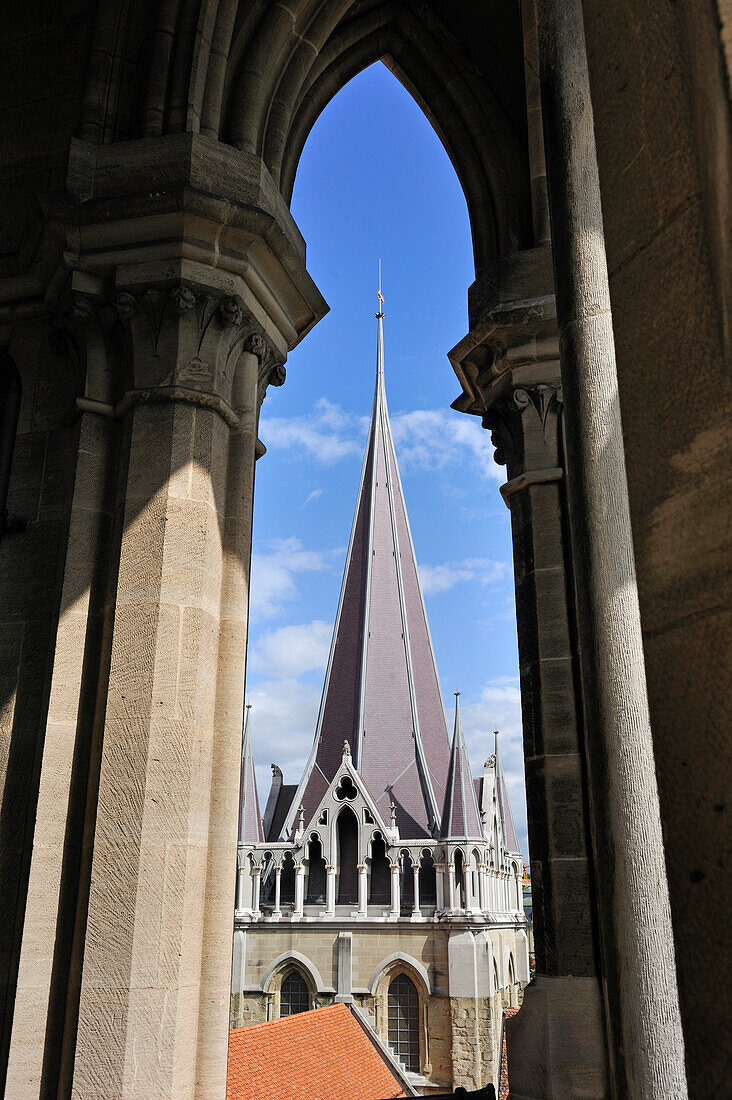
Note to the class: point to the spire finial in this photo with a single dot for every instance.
(380, 295)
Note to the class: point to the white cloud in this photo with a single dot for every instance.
(441, 578)
(425, 439)
(433, 439)
(283, 717)
(274, 573)
(328, 433)
(292, 650)
(312, 496)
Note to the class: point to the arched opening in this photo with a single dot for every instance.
(459, 880)
(407, 883)
(380, 875)
(427, 881)
(347, 834)
(287, 884)
(403, 1013)
(316, 872)
(294, 994)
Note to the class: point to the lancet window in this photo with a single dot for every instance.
(403, 1005)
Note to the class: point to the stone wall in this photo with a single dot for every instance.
(461, 1034)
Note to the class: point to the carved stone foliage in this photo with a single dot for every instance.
(177, 337)
(525, 427)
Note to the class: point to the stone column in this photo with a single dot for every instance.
(468, 881)
(523, 410)
(363, 888)
(277, 912)
(297, 911)
(416, 911)
(241, 878)
(71, 742)
(344, 952)
(395, 899)
(451, 887)
(440, 887)
(164, 845)
(482, 888)
(256, 882)
(636, 933)
(330, 891)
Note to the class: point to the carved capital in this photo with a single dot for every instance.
(183, 337)
(524, 426)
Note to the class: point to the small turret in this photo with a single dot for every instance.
(460, 816)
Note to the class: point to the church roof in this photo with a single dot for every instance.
(302, 1057)
(381, 690)
(460, 816)
(250, 819)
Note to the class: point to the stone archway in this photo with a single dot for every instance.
(161, 214)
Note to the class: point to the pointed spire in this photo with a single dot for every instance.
(460, 816)
(504, 806)
(381, 688)
(250, 819)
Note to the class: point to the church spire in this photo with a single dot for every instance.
(460, 816)
(250, 819)
(381, 688)
(504, 806)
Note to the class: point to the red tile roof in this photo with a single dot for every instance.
(503, 1090)
(315, 1055)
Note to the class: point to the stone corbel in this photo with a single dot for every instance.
(525, 427)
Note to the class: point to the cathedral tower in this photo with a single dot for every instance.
(389, 877)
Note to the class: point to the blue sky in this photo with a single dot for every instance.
(374, 182)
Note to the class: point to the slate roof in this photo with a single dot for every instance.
(460, 815)
(250, 819)
(285, 799)
(314, 1055)
(381, 690)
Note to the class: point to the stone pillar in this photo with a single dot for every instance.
(256, 883)
(450, 887)
(468, 883)
(164, 841)
(297, 911)
(395, 899)
(133, 847)
(241, 882)
(363, 890)
(636, 933)
(482, 888)
(330, 891)
(277, 912)
(518, 393)
(73, 725)
(416, 911)
(344, 950)
(440, 887)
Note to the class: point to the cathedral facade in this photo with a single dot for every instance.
(388, 878)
